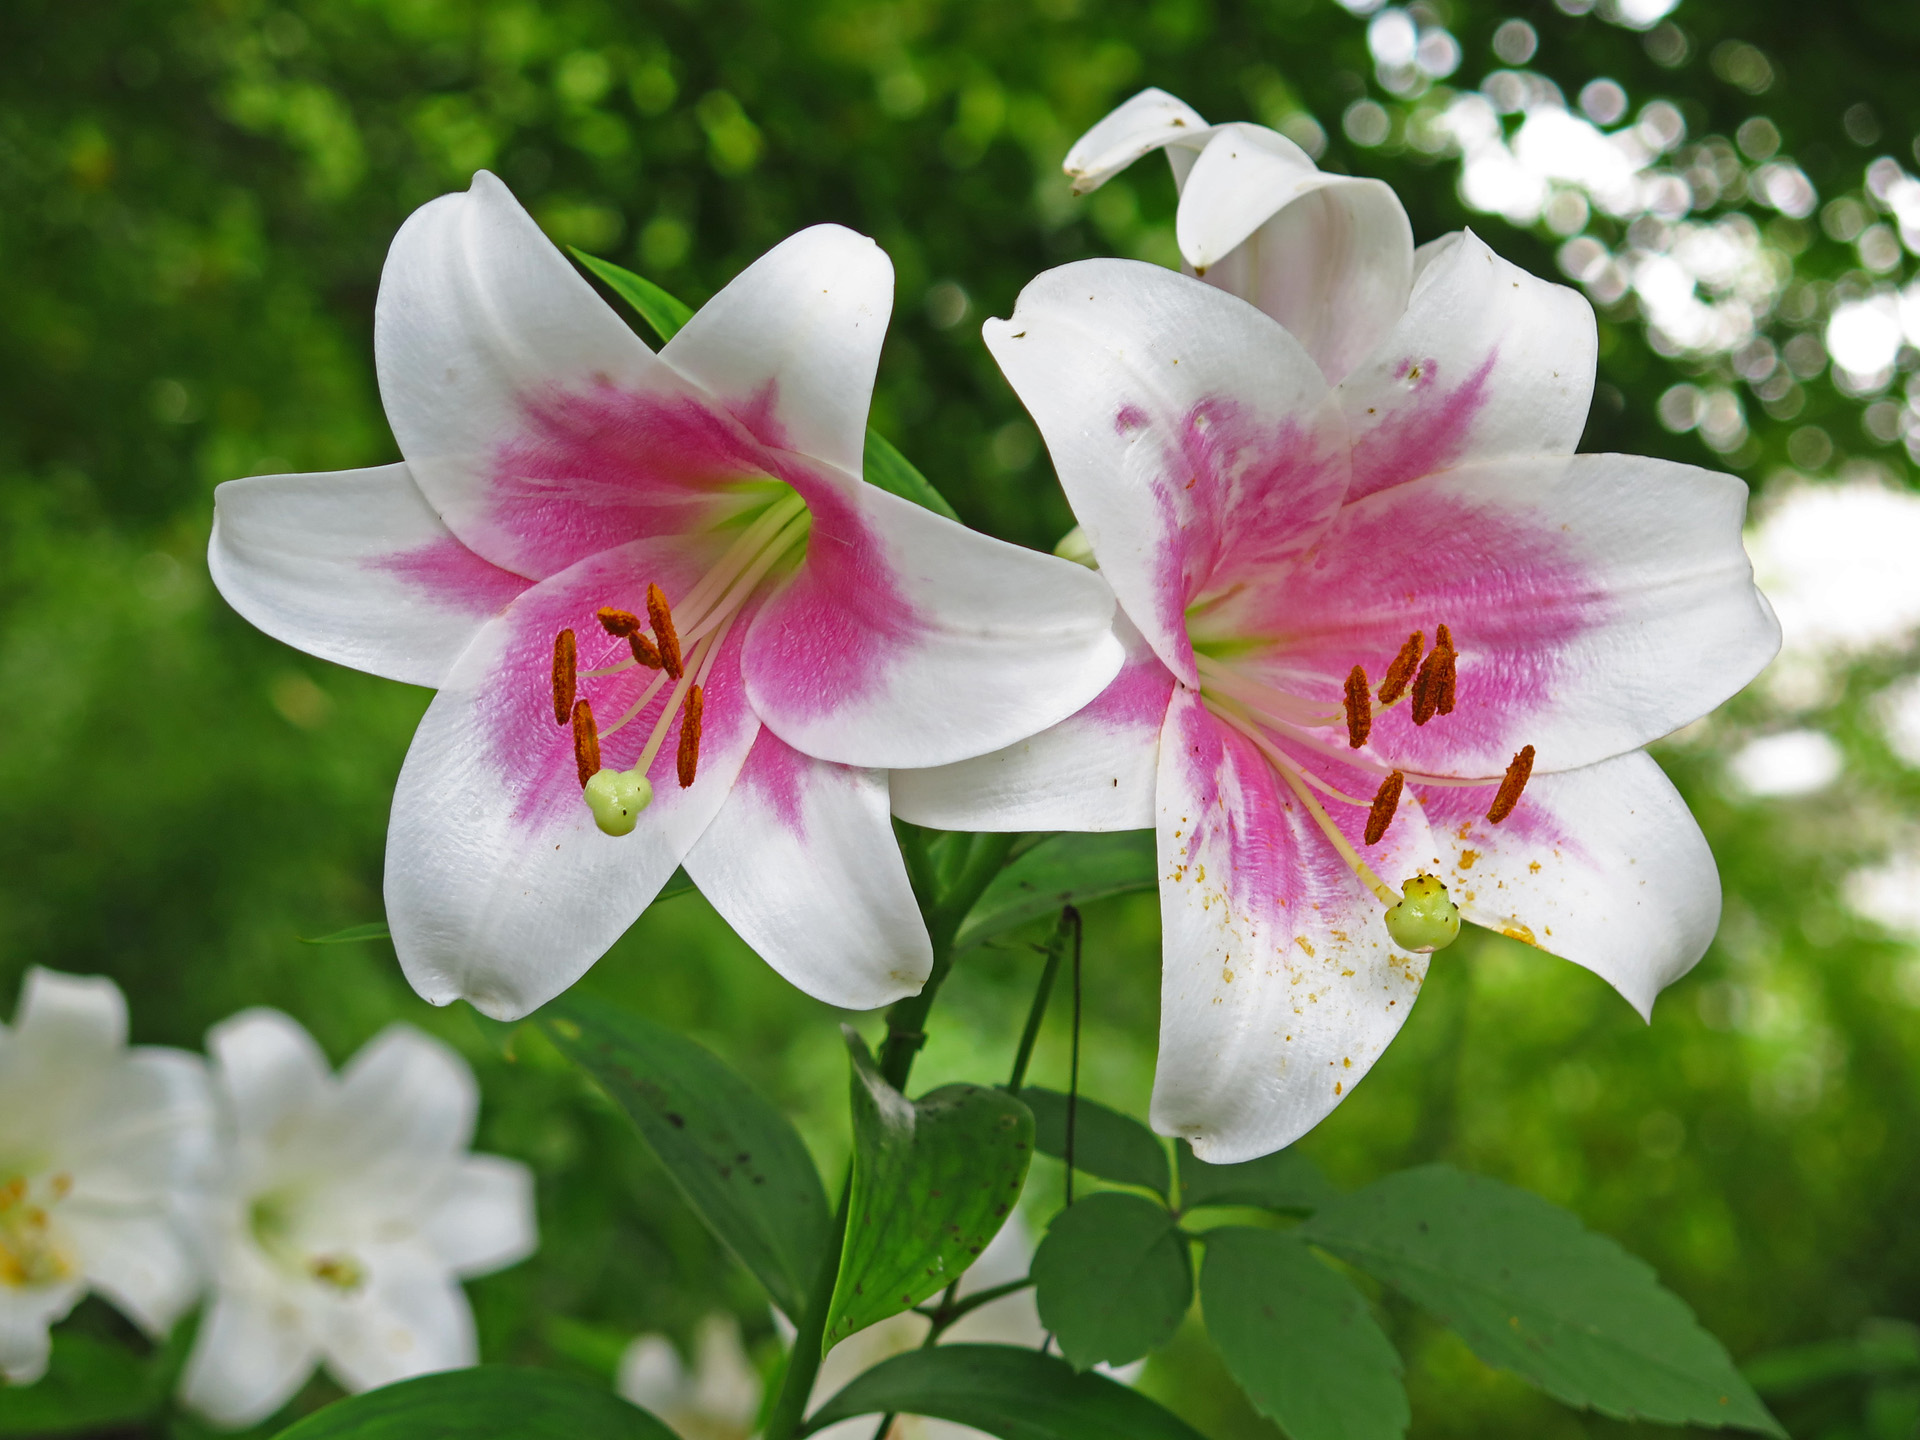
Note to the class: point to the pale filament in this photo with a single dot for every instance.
(730, 603)
(1278, 703)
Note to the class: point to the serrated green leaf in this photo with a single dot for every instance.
(739, 1162)
(888, 469)
(1113, 1279)
(492, 1402)
(664, 312)
(1534, 1292)
(1300, 1339)
(1285, 1180)
(1009, 1392)
(1061, 870)
(90, 1385)
(933, 1182)
(352, 935)
(1106, 1143)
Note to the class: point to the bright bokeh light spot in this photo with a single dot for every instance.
(1604, 101)
(1864, 337)
(1644, 14)
(1889, 893)
(1837, 561)
(1514, 42)
(1795, 762)
(1898, 709)
(1393, 38)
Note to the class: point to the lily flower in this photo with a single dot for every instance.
(346, 1211)
(1394, 652)
(667, 620)
(1330, 257)
(100, 1148)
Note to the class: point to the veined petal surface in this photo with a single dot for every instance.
(802, 862)
(355, 567)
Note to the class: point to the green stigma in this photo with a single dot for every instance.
(1424, 919)
(616, 798)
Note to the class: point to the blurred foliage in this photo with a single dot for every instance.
(195, 197)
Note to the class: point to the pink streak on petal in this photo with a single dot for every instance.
(776, 775)
(1136, 698)
(1458, 816)
(451, 575)
(760, 414)
(590, 469)
(1424, 432)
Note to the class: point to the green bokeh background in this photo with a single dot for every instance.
(195, 198)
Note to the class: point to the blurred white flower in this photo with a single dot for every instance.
(100, 1145)
(1837, 563)
(347, 1209)
(716, 1398)
(1795, 762)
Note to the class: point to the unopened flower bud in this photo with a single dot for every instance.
(616, 798)
(1075, 546)
(1424, 919)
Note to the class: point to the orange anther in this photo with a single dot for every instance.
(663, 630)
(1511, 784)
(1402, 668)
(586, 742)
(1359, 705)
(689, 754)
(565, 669)
(617, 622)
(1433, 686)
(1385, 801)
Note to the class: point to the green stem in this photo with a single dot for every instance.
(1056, 948)
(803, 1361)
(950, 1313)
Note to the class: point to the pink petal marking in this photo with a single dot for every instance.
(1424, 432)
(451, 575)
(776, 774)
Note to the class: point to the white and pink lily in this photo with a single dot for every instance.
(1330, 257)
(1385, 629)
(657, 579)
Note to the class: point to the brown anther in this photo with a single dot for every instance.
(1433, 686)
(689, 756)
(617, 622)
(1402, 668)
(564, 668)
(663, 630)
(1385, 801)
(1511, 784)
(586, 742)
(1359, 703)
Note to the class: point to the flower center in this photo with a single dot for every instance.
(274, 1231)
(30, 1252)
(685, 641)
(1423, 679)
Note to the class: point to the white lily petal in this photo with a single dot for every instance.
(1095, 770)
(353, 566)
(791, 345)
(907, 639)
(408, 1318)
(802, 862)
(270, 1069)
(500, 887)
(1604, 866)
(147, 1131)
(1488, 363)
(249, 1359)
(484, 1221)
(1328, 256)
(69, 1019)
(26, 1313)
(141, 1263)
(405, 1107)
(1197, 442)
(1149, 121)
(1280, 986)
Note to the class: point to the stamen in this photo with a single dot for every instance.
(564, 670)
(1402, 668)
(1359, 708)
(663, 630)
(1433, 686)
(1385, 801)
(586, 742)
(1511, 784)
(689, 756)
(627, 626)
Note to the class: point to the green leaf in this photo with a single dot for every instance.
(662, 311)
(1062, 870)
(1285, 1180)
(1533, 1292)
(739, 1162)
(1012, 1393)
(1113, 1279)
(1105, 1143)
(1300, 1339)
(888, 469)
(933, 1181)
(89, 1385)
(1882, 1349)
(493, 1401)
(352, 935)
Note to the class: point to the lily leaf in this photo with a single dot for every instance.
(1007, 1391)
(1113, 1279)
(933, 1181)
(1061, 870)
(884, 466)
(739, 1162)
(1105, 1143)
(1300, 1339)
(1534, 1292)
(493, 1402)
(1285, 1180)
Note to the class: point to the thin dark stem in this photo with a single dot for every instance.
(1056, 946)
(803, 1361)
(1073, 1070)
(950, 1312)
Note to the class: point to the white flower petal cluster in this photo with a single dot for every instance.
(328, 1218)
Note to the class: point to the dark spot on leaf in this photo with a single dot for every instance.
(678, 1122)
